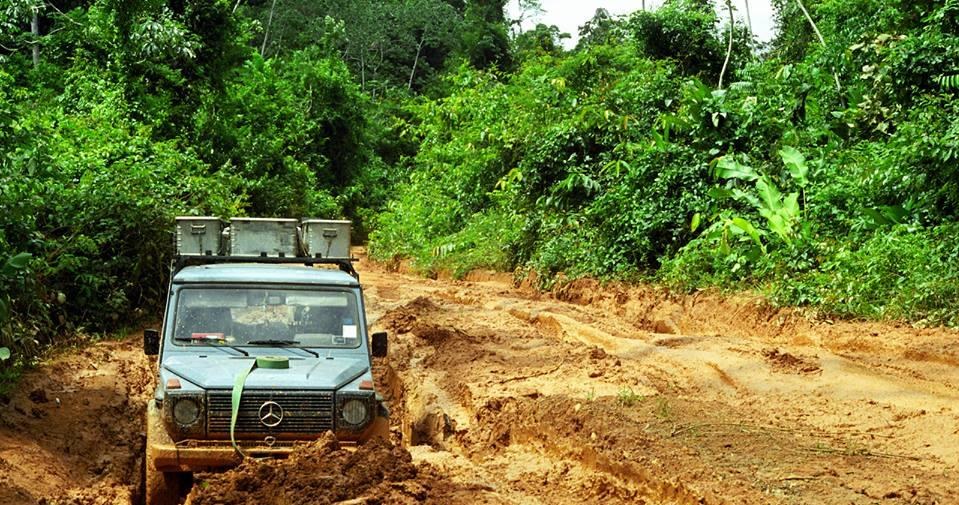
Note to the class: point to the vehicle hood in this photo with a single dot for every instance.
(220, 372)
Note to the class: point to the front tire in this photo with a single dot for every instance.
(160, 488)
(164, 488)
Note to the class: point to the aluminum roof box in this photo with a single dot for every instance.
(200, 236)
(263, 237)
(324, 238)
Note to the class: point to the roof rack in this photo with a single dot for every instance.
(182, 261)
(280, 241)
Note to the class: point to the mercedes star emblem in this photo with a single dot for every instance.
(271, 414)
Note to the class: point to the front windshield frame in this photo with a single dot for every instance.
(352, 303)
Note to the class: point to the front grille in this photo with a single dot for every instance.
(303, 412)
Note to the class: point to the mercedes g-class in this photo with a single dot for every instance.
(260, 350)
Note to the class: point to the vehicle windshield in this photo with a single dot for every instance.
(265, 317)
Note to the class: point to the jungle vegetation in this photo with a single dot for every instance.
(667, 146)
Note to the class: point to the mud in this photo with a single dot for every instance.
(622, 394)
(73, 432)
(320, 473)
(595, 393)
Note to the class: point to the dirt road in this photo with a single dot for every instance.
(502, 395)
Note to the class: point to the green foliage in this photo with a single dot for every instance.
(91, 195)
(541, 40)
(780, 212)
(548, 148)
(686, 32)
(485, 42)
(599, 30)
(10, 274)
(950, 82)
(897, 273)
(386, 43)
(294, 129)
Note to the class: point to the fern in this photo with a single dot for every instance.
(948, 82)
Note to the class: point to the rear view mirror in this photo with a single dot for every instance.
(379, 345)
(151, 342)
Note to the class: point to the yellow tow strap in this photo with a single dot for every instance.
(273, 362)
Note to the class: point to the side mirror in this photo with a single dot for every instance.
(151, 342)
(379, 345)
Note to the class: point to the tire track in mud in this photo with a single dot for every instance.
(524, 462)
(759, 411)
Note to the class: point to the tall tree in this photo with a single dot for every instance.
(540, 40)
(685, 32)
(526, 10)
(20, 27)
(427, 24)
(597, 30)
(269, 24)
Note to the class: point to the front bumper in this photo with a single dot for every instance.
(166, 455)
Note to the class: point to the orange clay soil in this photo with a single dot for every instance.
(591, 394)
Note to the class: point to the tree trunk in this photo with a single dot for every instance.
(35, 30)
(363, 71)
(419, 47)
(749, 19)
(375, 69)
(729, 50)
(266, 34)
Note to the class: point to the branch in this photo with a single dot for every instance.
(65, 16)
(811, 23)
(531, 376)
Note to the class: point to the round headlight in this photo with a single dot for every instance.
(186, 411)
(354, 412)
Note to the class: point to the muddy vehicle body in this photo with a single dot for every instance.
(257, 355)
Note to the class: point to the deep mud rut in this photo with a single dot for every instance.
(592, 394)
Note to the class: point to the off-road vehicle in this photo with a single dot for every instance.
(263, 346)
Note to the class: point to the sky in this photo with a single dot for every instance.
(569, 15)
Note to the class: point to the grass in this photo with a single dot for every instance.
(628, 398)
(663, 409)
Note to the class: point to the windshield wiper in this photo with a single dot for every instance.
(282, 343)
(210, 343)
